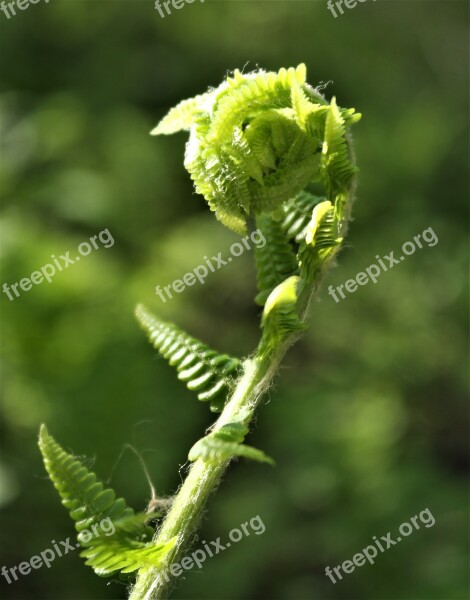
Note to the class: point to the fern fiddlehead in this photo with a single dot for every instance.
(256, 143)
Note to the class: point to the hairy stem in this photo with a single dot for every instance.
(203, 477)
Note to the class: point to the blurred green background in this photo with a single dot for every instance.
(367, 421)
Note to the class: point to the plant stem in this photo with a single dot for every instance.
(203, 477)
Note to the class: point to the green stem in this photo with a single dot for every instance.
(203, 477)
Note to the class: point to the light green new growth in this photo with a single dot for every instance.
(259, 139)
(255, 143)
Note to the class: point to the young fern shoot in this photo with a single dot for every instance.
(257, 145)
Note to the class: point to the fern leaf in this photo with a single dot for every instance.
(91, 505)
(124, 551)
(182, 115)
(298, 214)
(225, 443)
(204, 371)
(126, 557)
(275, 261)
(301, 104)
(253, 93)
(82, 494)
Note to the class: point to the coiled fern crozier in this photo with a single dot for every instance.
(259, 145)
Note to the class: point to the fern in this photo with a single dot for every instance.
(256, 141)
(124, 551)
(90, 504)
(226, 443)
(275, 261)
(204, 371)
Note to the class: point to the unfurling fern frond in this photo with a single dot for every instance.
(91, 506)
(204, 371)
(297, 215)
(255, 141)
(275, 260)
(226, 443)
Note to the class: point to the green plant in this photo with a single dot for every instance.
(259, 145)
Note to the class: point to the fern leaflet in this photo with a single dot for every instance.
(204, 371)
(297, 215)
(336, 168)
(225, 443)
(92, 505)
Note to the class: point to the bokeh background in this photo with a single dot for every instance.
(367, 420)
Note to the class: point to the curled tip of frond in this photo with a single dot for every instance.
(257, 140)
